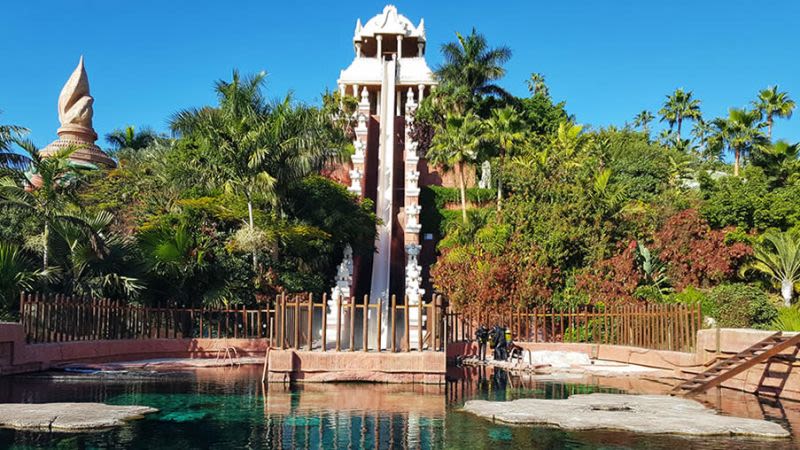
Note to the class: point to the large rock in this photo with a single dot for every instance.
(656, 414)
(68, 416)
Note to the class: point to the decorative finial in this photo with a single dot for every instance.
(357, 33)
(421, 29)
(74, 102)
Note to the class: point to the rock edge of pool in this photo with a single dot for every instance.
(68, 417)
(651, 414)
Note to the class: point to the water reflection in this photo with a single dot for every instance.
(227, 408)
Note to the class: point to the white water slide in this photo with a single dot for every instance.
(381, 261)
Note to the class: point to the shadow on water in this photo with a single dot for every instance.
(226, 408)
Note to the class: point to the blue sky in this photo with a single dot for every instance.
(608, 59)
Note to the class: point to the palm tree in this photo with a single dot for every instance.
(130, 139)
(771, 104)
(779, 160)
(18, 273)
(104, 271)
(678, 107)
(470, 63)
(778, 256)
(537, 86)
(741, 132)
(504, 129)
(454, 146)
(642, 120)
(47, 191)
(8, 157)
(702, 131)
(260, 149)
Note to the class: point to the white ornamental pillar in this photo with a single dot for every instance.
(399, 46)
(412, 227)
(414, 293)
(340, 293)
(359, 142)
(379, 38)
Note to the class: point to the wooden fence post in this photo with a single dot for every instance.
(379, 323)
(392, 335)
(352, 324)
(310, 320)
(324, 336)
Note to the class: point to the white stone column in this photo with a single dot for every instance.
(412, 227)
(421, 90)
(420, 49)
(360, 142)
(358, 49)
(399, 46)
(379, 38)
(414, 293)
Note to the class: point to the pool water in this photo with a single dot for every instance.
(226, 408)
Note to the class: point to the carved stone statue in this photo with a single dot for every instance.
(75, 112)
(486, 175)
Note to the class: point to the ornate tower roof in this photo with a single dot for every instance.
(389, 22)
(398, 35)
(75, 112)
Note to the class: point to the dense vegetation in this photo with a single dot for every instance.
(232, 208)
(229, 210)
(613, 215)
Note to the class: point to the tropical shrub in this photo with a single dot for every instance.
(738, 305)
(788, 319)
(695, 254)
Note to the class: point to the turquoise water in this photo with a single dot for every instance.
(226, 408)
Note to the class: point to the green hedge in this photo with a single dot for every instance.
(436, 217)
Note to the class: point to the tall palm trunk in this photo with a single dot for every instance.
(769, 128)
(252, 229)
(500, 180)
(787, 289)
(462, 184)
(737, 156)
(680, 121)
(44, 249)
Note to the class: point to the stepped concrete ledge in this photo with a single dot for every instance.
(651, 414)
(68, 416)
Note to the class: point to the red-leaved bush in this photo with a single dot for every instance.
(473, 279)
(612, 280)
(695, 254)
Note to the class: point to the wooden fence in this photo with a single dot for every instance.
(300, 322)
(659, 327)
(289, 322)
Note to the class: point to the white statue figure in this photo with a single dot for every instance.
(362, 122)
(412, 218)
(486, 175)
(359, 154)
(355, 181)
(342, 290)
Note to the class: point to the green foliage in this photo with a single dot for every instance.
(777, 256)
(740, 306)
(19, 273)
(748, 202)
(788, 319)
(691, 296)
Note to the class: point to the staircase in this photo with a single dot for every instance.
(760, 352)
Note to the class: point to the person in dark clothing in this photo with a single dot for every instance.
(498, 338)
(482, 337)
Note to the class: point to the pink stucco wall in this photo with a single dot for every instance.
(17, 356)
